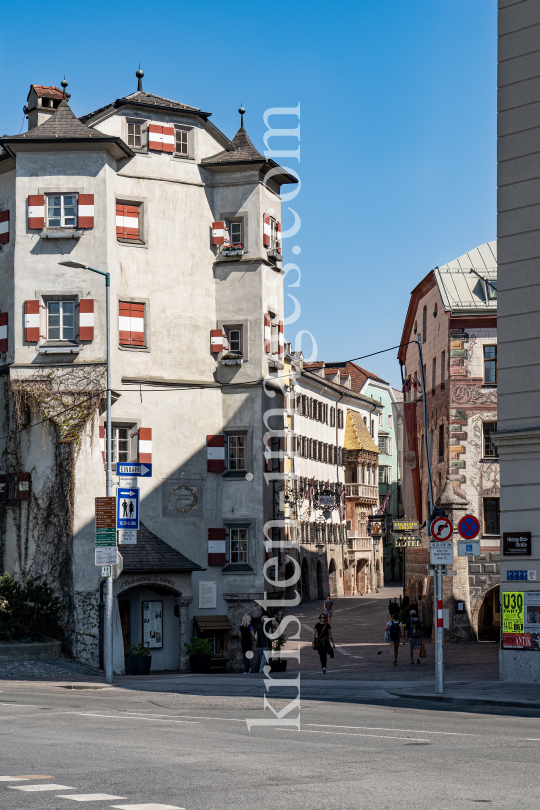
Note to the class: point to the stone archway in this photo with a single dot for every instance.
(332, 577)
(305, 581)
(320, 581)
(488, 616)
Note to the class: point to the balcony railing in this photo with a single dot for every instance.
(355, 543)
(362, 491)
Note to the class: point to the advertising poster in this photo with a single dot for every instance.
(152, 617)
(521, 620)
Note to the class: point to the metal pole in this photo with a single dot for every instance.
(437, 580)
(109, 596)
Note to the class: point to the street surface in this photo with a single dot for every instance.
(181, 741)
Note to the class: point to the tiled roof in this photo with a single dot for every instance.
(63, 123)
(358, 374)
(357, 436)
(151, 553)
(42, 91)
(243, 150)
(143, 98)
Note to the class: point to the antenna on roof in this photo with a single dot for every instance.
(241, 110)
(139, 74)
(64, 84)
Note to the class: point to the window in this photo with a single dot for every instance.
(238, 545)
(424, 325)
(382, 444)
(332, 417)
(434, 373)
(234, 334)
(131, 331)
(235, 233)
(491, 290)
(492, 523)
(443, 368)
(441, 442)
(128, 221)
(61, 320)
(385, 475)
(181, 142)
(120, 443)
(134, 135)
(237, 452)
(372, 431)
(490, 451)
(490, 365)
(390, 421)
(62, 211)
(274, 239)
(340, 419)
(381, 420)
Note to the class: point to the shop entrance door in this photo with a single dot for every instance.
(125, 621)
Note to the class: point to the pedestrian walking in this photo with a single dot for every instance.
(328, 606)
(262, 640)
(323, 641)
(413, 629)
(247, 637)
(393, 635)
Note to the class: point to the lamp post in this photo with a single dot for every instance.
(108, 481)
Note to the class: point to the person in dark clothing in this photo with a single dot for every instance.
(393, 635)
(413, 629)
(247, 637)
(323, 641)
(263, 645)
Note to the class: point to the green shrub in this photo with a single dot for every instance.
(200, 646)
(28, 612)
(140, 649)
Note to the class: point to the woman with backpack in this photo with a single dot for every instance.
(393, 635)
(323, 641)
(247, 637)
(413, 628)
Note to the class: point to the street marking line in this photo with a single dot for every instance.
(34, 776)
(12, 778)
(147, 807)
(92, 797)
(130, 717)
(36, 788)
(377, 728)
(348, 734)
(24, 705)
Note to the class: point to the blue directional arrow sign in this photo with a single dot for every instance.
(135, 469)
(127, 508)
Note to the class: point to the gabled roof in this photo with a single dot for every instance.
(147, 100)
(243, 150)
(358, 374)
(314, 376)
(357, 436)
(42, 91)
(151, 553)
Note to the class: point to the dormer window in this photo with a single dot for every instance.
(62, 211)
(134, 135)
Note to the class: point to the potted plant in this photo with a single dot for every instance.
(276, 664)
(231, 359)
(200, 654)
(140, 659)
(233, 250)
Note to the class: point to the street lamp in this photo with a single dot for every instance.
(108, 483)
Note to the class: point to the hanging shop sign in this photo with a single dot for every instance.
(407, 541)
(520, 620)
(152, 623)
(405, 525)
(517, 544)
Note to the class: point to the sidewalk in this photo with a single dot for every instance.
(482, 693)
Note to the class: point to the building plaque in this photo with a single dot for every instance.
(517, 544)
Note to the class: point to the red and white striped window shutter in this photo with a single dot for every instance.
(127, 221)
(217, 547)
(278, 236)
(86, 319)
(281, 341)
(4, 227)
(145, 445)
(85, 213)
(160, 138)
(220, 233)
(36, 211)
(218, 341)
(266, 230)
(131, 324)
(215, 453)
(24, 486)
(31, 321)
(3, 331)
(102, 441)
(267, 334)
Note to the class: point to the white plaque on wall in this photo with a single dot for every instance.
(207, 594)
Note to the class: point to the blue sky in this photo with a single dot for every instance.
(398, 106)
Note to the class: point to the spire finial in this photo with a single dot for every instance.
(64, 84)
(241, 110)
(139, 74)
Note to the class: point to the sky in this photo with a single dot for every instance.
(397, 129)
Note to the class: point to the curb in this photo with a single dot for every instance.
(463, 701)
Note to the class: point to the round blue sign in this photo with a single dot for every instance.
(469, 527)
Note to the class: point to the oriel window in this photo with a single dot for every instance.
(61, 320)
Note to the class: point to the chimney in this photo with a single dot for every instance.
(41, 103)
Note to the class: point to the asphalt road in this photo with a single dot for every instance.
(184, 743)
